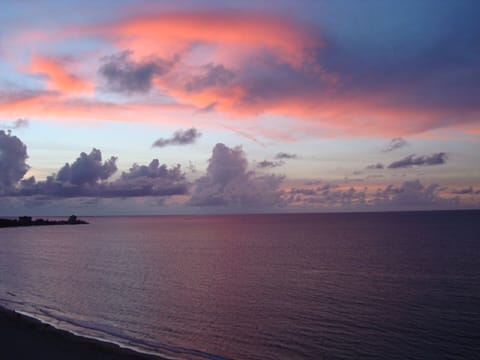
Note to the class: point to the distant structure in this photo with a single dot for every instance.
(25, 220)
(28, 221)
(72, 219)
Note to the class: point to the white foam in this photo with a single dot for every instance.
(91, 337)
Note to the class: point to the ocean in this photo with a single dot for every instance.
(296, 286)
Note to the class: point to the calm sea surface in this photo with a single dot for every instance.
(325, 286)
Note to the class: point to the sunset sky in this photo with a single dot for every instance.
(166, 107)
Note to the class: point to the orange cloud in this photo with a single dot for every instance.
(52, 106)
(280, 54)
(274, 70)
(59, 78)
(231, 34)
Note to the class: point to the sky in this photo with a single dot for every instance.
(122, 107)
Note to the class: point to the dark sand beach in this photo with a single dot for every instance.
(22, 337)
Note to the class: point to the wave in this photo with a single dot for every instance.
(101, 333)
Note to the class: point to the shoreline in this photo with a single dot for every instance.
(24, 337)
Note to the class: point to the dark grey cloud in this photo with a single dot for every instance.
(280, 161)
(88, 169)
(265, 164)
(213, 75)
(228, 182)
(19, 94)
(327, 187)
(328, 196)
(267, 81)
(395, 143)
(419, 73)
(154, 179)
(465, 191)
(284, 156)
(13, 156)
(14, 125)
(88, 176)
(426, 160)
(312, 191)
(303, 191)
(377, 166)
(209, 108)
(411, 194)
(81, 178)
(124, 75)
(179, 137)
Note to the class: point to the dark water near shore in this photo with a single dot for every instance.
(325, 286)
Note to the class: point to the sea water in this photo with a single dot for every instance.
(300, 286)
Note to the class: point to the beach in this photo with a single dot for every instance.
(23, 337)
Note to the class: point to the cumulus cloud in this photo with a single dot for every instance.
(13, 154)
(283, 155)
(87, 169)
(179, 137)
(228, 182)
(149, 180)
(377, 166)
(411, 160)
(327, 196)
(303, 191)
(122, 74)
(17, 124)
(345, 198)
(265, 164)
(411, 194)
(81, 178)
(395, 143)
(88, 177)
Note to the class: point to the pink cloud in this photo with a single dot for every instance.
(52, 106)
(58, 76)
(246, 65)
(231, 35)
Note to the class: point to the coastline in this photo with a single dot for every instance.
(25, 337)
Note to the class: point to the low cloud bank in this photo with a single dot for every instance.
(87, 176)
